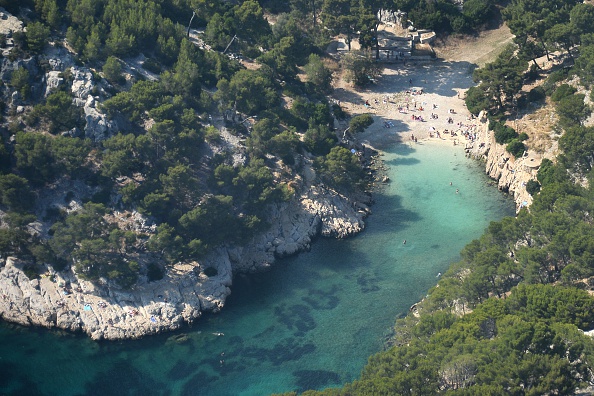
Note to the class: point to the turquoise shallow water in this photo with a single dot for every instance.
(311, 322)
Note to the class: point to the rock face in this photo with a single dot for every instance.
(98, 127)
(61, 300)
(52, 81)
(511, 173)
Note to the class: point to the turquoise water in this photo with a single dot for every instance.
(311, 322)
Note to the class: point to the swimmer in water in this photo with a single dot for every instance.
(404, 242)
(457, 191)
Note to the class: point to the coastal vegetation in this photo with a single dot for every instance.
(166, 160)
(509, 318)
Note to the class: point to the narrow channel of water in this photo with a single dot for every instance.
(311, 322)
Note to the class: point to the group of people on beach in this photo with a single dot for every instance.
(406, 102)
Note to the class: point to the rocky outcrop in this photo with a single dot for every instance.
(9, 24)
(98, 126)
(82, 83)
(511, 173)
(62, 300)
(53, 81)
(318, 210)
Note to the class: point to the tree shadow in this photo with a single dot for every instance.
(347, 96)
(383, 133)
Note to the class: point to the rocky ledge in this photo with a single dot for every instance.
(62, 300)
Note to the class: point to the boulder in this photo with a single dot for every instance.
(82, 83)
(52, 81)
(98, 127)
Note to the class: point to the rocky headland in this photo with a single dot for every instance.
(64, 301)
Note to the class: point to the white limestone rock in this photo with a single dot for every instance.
(98, 127)
(82, 83)
(52, 81)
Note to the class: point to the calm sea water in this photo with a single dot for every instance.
(311, 322)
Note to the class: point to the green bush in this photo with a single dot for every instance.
(339, 113)
(516, 148)
(563, 91)
(152, 65)
(537, 94)
(503, 133)
(360, 122)
(476, 100)
(19, 80)
(551, 82)
(31, 271)
(112, 69)
(532, 187)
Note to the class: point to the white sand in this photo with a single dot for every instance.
(444, 85)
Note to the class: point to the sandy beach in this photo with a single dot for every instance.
(424, 101)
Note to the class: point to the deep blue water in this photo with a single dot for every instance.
(310, 322)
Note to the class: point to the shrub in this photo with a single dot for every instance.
(212, 134)
(516, 148)
(112, 69)
(563, 91)
(551, 82)
(503, 133)
(339, 113)
(19, 80)
(360, 122)
(152, 65)
(361, 69)
(536, 94)
(532, 187)
(31, 271)
(476, 100)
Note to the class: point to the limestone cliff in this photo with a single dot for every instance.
(61, 300)
(511, 173)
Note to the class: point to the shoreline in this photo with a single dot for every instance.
(180, 298)
(443, 86)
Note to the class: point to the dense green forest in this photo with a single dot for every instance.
(168, 162)
(507, 319)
